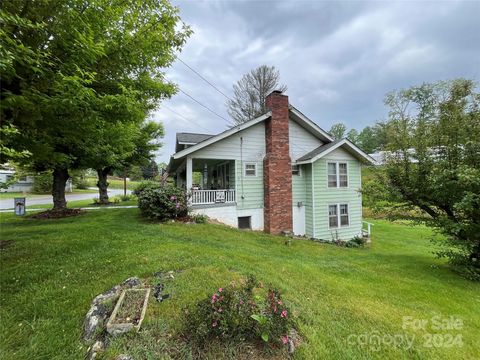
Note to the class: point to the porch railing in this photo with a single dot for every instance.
(209, 197)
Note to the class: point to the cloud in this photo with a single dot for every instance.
(338, 59)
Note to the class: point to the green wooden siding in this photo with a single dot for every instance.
(249, 189)
(325, 196)
(307, 171)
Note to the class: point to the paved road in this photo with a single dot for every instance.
(47, 199)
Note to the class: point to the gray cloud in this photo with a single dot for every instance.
(338, 59)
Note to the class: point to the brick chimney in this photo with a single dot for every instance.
(277, 171)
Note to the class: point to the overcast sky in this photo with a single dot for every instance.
(338, 59)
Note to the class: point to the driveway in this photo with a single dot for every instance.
(47, 199)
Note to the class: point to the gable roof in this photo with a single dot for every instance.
(185, 138)
(323, 150)
(295, 114)
(221, 136)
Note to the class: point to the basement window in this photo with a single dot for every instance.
(244, 222)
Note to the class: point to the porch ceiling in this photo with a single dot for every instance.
(198, 164)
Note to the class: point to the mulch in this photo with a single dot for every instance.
(57, 214)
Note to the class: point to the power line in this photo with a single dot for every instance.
(185, 118)
(201, 77)
(206, 107)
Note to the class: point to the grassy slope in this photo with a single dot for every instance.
(54, 268)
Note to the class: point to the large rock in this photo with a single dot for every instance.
(131, 282)
(98, 313)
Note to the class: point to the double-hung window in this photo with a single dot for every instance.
(338, 215)
(337, 173)
(296, 170)
(250, 169)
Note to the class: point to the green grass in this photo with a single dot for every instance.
(53, 268)
(11, 195)
(115, 183)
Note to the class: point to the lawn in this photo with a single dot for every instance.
(11, 195)
(51, 270)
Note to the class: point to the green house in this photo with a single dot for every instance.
(279, 172)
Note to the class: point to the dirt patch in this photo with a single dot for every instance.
(5, 243)
(131, 309)
(57, 214)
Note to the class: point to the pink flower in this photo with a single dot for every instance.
(177, 205)
(285, 339)
(284, 313)
(241, 302)
(220, 289)
(220, 310)
(279, 302)
(173, 197)
(214, 297)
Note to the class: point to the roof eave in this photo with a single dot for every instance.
(359, 153)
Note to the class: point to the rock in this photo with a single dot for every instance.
(132, 282)
(291, 346)
(118, 329)
(98, 313)
(97, 348)
(124, 357)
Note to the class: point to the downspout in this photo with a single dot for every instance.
(241, 167)
(313, 202)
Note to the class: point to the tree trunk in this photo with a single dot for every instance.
(60, 177)
(102, 185)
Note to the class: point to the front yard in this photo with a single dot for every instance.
(51, 270)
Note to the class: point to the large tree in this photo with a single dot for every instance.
(434, 163)
(338, 131)
(250, 92)
(69, 68)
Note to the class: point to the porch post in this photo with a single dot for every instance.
(189, 173)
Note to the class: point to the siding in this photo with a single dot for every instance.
(325, 196)
(249, 189)
(301, 141)
(307, 170)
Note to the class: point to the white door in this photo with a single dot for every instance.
(298, 215)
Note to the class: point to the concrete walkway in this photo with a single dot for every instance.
(47, 199)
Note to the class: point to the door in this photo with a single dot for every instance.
(298, 217)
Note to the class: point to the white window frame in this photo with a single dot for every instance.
(298, 169)
(339, 219)
(337, 173)
(245, 169)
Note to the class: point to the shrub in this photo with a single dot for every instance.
(199, 218)
(146, 185)
(357, 241)
(244, 311)
(43, 182)
(163, 203)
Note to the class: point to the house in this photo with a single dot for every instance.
(23, 183)
(279, 172)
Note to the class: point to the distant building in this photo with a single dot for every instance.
(23, 184)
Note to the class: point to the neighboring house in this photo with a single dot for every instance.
(23, 183)
(279, 172)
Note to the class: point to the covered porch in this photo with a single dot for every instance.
(209, 181)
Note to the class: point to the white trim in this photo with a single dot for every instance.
(337, 172)
(314, 128)
(245, 163)
(339, 221)
(346, 142)
(313, 202)
(299, 170)
(221, 136)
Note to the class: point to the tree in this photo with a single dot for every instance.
(250, 92)
(352, 135)
(150, 171)
(338, 131)
(69, 68)
(434, 163)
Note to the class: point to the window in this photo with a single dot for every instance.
(332, 216)
(22, 178)
(244, 222)
(344, 215)
(332, 175)
(296, 170)
(338, 215)
(337, 173)
(250, 169)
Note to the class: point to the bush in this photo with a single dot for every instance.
(146, 185)
(199, 218)
(163, 203)
(240, 312)
(357, 241)
(43, 182)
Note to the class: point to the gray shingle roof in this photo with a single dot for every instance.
(318, 151)
(192, 138)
